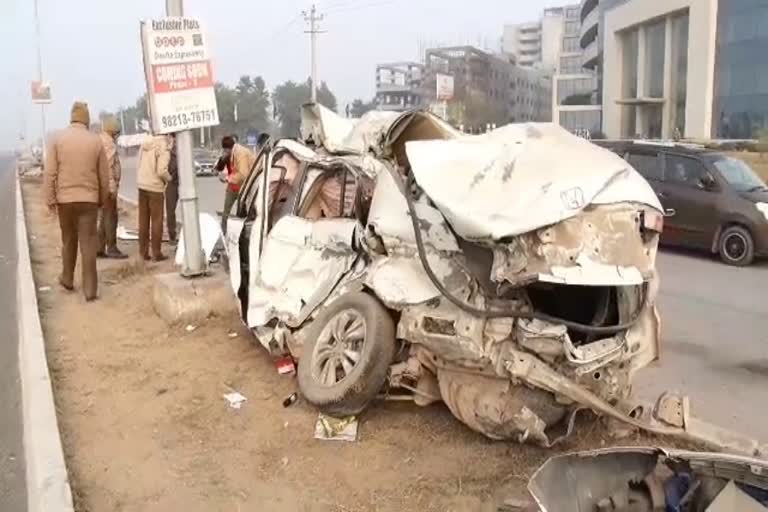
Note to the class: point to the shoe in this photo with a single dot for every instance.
(146, 257)
(66, 286)
(116, 254)
(91, 299)
(160, 258)
(101, 254)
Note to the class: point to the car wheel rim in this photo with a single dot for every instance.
(735, 246)
(339, 348)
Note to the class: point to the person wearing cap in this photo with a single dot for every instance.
(110, 129)
(152, 179)
(76, 184)
(239, 161)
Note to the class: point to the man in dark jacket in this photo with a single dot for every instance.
(172, 196)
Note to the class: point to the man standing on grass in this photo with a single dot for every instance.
(152, 179)
(110, 129)
(76, 185)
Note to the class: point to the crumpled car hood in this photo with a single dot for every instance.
(520, 178)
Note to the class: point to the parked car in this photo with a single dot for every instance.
(714, 202)
(205, 162)
(510, 275)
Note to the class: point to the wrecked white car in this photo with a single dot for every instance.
(510, 275)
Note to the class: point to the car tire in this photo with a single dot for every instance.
(736, 246)
(346, 358)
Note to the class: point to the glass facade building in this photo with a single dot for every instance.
(740, 109)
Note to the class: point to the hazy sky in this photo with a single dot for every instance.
(91, 49)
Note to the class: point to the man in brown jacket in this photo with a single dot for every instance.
(76, 184)
(110, 129)
(239, 161)
(153, 177)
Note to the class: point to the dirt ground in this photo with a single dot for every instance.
(145, 427)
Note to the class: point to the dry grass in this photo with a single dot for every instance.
(757, 161)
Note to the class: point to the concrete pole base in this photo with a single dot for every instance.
(178, 300)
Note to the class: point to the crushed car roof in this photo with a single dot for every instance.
(512, 180)
(521, 177)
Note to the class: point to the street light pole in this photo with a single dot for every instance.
(40, 78)
(194, 258)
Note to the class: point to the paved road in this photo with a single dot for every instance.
(714, 331)
(13, 494)
(715, 340)
(209, 189)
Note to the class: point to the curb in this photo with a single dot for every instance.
(48, 487)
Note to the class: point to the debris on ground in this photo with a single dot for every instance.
(651, 479)
(285, 365)
(190, 328)
(292, 399)
(44, 289)
(328, 428)
(235, 399)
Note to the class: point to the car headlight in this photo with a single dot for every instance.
(763, 207)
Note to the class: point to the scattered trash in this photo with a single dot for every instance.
(232, 335)
(284, 460)
(44, 289)
(336, 429)
(235, 399)
(161, 391)
(291, 400)
(190, 328)
(126, 234)
(285, 366)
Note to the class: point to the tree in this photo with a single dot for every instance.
(359, 108)
(287, 100)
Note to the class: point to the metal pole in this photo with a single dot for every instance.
(194, 258)
(40, 78)
(122, 120)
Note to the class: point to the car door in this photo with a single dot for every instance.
(305, 253)
(693, 202)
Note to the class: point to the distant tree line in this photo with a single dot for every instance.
(250, 106)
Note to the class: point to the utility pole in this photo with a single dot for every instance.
(40, 78)
(194, 258)
(313, 18)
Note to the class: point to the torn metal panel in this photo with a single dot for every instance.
(390, 219)
(301, 264)
(446, 330)
(399, 280)
(579, 481)
(603, 246)
(521, 178)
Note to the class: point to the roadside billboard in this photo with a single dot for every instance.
(444, 87)
(179, 75)
(41, 92)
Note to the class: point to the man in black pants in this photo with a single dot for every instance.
(172, 195)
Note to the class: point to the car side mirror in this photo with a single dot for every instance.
(707, 182)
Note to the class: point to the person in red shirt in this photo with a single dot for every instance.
(238, 161)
